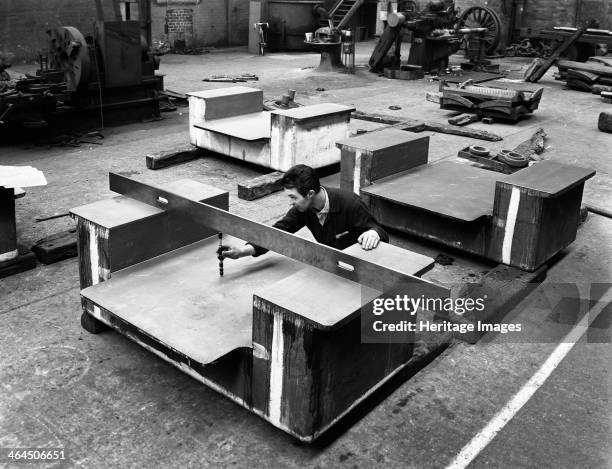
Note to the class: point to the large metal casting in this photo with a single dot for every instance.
(438, 31)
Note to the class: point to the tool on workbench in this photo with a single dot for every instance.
(220, 254)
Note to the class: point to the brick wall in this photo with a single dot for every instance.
(180, 20)
(210, 26)
(601, 10)
(544, 14)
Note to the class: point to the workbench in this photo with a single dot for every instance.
(11, 260)
(280, 337)
(231, 121)
(522, 219)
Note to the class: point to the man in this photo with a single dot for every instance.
(5, 78)
(335, 218)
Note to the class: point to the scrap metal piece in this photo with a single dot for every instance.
(52, 217)
(490, 101)
(480, 151)
(464, 119)
(605, 122)
(533, 146)
(513, 159)
(539, 67)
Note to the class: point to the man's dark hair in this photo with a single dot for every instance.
(302, 178)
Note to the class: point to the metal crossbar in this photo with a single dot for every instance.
(309, 252)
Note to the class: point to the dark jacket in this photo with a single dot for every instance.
(348, 217)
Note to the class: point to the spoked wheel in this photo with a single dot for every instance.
(483, 17)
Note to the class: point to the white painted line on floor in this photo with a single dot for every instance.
(499, 421)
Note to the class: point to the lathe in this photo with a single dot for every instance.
(90, 80)
(438, 31)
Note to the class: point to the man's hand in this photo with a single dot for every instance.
(230, 252)
(369, 239)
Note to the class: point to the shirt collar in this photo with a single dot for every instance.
(322, 214)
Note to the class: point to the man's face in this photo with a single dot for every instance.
(297, 200)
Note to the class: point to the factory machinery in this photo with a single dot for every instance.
(83, 81)
(438, 31)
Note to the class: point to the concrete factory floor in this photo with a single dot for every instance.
(110, 403)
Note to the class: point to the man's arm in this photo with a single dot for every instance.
(291, 223)
(369, 232)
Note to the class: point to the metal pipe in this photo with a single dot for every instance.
(117, 9)
(578, 9)
(145, 18)
(99, 10)
(471, 30)
(130, 103)
(512, 22)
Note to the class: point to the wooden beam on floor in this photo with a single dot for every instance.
(260, 186)
(57, 247)
(163, 159)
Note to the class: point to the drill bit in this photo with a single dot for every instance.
(220, 254)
